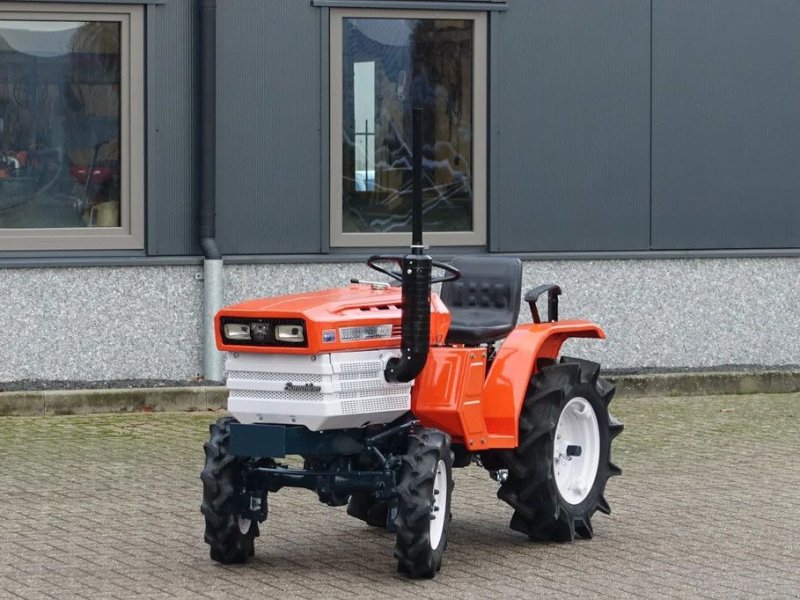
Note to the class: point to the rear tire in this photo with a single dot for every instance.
(230, 536)
(424, 488)
(558, 473)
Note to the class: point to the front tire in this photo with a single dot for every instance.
(558, 473)
(230, 536)
(424, 488)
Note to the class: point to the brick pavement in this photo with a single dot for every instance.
(107, 507)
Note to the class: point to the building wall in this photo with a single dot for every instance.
(615, 126)
(726, 129)
(172, 214)
(268, 130)
(144, 322)
(570, 126)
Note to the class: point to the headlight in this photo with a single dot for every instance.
(368, 332)
(237, 331)
(290, 333)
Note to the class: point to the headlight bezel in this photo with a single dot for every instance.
(267, 333)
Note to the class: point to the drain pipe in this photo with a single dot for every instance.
(213, 276)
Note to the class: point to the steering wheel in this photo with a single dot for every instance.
(397, 275)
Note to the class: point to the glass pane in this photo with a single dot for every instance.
(389, 67)
(364, 125)
(59, 124)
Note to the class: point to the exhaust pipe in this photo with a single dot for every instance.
(416, 320)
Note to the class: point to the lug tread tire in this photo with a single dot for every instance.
(539, 510)
(415, 556)
(220, 477)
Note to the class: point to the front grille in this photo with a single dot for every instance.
(267, 376)
(359, 369)
(277, 395)
(375, 405)
(345, 389)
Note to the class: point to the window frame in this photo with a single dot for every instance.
(130, 234)
(475, 237)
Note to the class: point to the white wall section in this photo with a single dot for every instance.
(145, 322)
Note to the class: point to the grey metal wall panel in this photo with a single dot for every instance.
(100, 1)
(414, 4)
(171, 212)
(726, 123)
(268, 127)
(570, 110)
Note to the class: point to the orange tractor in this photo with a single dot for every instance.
(383, 390)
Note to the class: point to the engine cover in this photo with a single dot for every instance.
(336, 390)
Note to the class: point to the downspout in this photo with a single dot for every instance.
(213, 276)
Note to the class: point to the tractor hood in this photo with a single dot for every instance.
(323, 313)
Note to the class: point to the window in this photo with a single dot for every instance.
(383, 64)
(71, 127)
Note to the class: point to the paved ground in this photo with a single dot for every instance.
(107, 507)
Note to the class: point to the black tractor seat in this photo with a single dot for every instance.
(484, 302)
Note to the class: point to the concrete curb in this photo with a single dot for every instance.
(707, 383)
(81, 402)
(204, 398)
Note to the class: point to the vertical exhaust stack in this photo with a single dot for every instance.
(416, 322)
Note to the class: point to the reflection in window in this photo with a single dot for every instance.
(389, 67)
(364, 110)
(59, 124)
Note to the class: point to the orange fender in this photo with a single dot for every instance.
(448, 394)
(515, 363)
(454, 393)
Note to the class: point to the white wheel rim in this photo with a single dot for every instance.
(439, 505)
(576, 450)
(244, 524)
